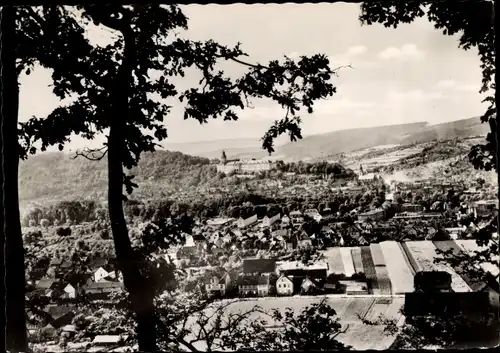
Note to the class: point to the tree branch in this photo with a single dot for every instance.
(90, 154)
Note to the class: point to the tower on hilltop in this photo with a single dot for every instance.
(223, 158)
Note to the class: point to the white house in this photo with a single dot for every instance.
(71, 291)
(189, 241)
(296, 217)
(100, 274)
(269, 221)
(243, 223)
(285, 221)
(314, 214)
(284, 286)
(218, 284)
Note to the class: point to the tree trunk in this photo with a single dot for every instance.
(495, 127)
(140, 293)
(16, 335)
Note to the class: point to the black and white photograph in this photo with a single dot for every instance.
(202, 177)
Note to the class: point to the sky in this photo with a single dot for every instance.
(409, 74)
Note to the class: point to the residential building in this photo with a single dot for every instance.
(417, 215)
(284, 286)
(411, 207)
(259, 266)
(218, 283)
(373, 215)
(311, 286)
(244, 166)
(483, 207)
(100, 274)
(71, 291)
(244, 223)
(285, 221)
(314, 214)
(298, 269)
(102, 290)
(218, 223)
(354, 287)
(254, 286)
(269, 221)
(296, 218)
(304, 240)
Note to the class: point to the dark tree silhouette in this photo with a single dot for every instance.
(32, 38)
(16, 335)
(112, 84)
(474, 22)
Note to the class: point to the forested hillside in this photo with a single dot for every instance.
(57, 176)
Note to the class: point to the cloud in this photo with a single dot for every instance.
(468, 88)
(461, 87)
(407, 51)
(445, 84)
(416, 95)
(356, 50)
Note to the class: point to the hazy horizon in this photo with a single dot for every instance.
(406, 75)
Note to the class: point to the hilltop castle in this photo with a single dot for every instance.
(243, 166)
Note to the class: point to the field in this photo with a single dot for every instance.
(347, 261)
(424, 253)
(397, 267)
(334, 259)
(369, 267)
(377, 255)
(357, 260)
(347, 308)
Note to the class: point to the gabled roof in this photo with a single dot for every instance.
(56, 262)
(47, 283)
(259, 265)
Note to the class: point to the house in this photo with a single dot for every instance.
(314, 214)
(218, 223)
(367, 177)
(373, 215)
(284, 285)
(254, 286)
(269, 221)
(200, 241)
(244, 223)
(291, 242)
(296, 218)
(298, 269)
(102, 290)
(285, 221)
(100, 274)
(52, 288)
(259, 266)
(411, 207)
(311, 286)
(61, 315)
(70, 291)
(97, 262)
(483, 207)
(304, 240)
(280, 234)
(351, 287)
(218, 283)
(107, 341)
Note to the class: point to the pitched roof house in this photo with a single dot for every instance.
(269, 221)
(259, 266)
(244, 223)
